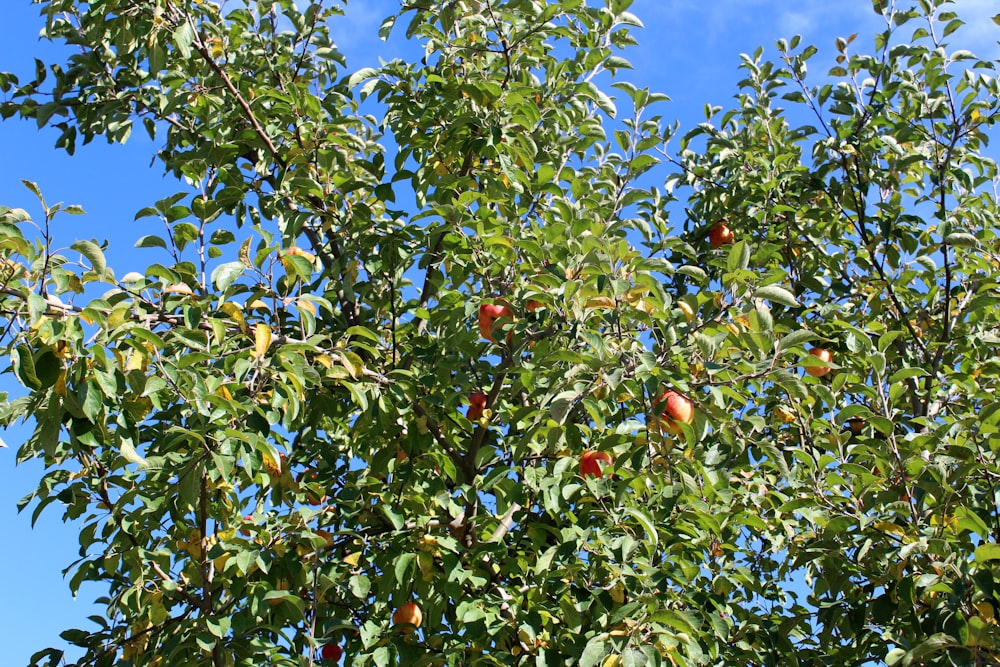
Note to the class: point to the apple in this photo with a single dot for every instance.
(310, 477)
(856, 425)
(295, 251)
(328, 538)
(531, 305)
(247, 519)
(677, 409)
(408, 618)
(590, 463)
(823, 355)
(720, 235)
(477, 403)
(489, 313)
(331, 652)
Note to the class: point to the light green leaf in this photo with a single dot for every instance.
(987, 552)
(595, 652)
(94, 254)
(225, 275)
(647, 524)
(777, 295)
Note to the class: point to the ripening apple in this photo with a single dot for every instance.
(823, 355)
(856, 425)
(677, 409)
(408, 618)
(331, 652)
(721, 235)
(489, 313)
(310, 477)
(299, 252)
(590, 463)
(531, 305)
(477, 403)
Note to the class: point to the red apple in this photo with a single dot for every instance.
(720, 235)
(489, 313)
(823, 355)
(590, 463)
(408, 618)
(331, 652)
(477, 403)
(677, 409)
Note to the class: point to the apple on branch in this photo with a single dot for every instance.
(331, 653)
(823, 355)
(407, 618)
(676, 408)
(721, 235)
(489, 313)
(590, 463)
(477, 403)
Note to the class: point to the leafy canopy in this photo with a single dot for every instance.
(295, 420)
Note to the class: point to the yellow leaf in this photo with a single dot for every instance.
(306, 305)
(353, 558)
(600, 302)
(262, 339)
(687, 310)
(136, 361)
(353, 363)
(890, 527)
(986, 612)
(324, 360)
(236, 313)
(244, 253)
(63, 350)
(179, 288)
(634, 295)
(784, 414)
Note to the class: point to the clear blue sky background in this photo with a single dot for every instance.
(689, 49)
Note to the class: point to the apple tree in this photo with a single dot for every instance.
(477, 359)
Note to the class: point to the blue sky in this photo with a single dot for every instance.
(689, 50)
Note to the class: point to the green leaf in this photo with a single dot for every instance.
(129, 454)
(225, 275)
(94, 254)
(906, 374)
(647, 524)
(361, 75)
(183, 38)
(933, 644)
(778, 295)
(594, 653)
(795, 339)
(151, 241)
(961, 240)
(987, 552)
(24, 367)
(404, 563)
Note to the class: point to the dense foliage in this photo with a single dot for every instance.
(300, 418)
